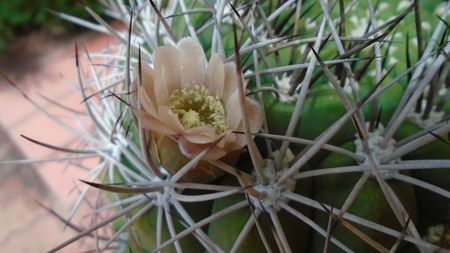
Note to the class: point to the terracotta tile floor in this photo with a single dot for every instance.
(43, 67)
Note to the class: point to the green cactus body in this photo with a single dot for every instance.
(144, 229)
(145, 234)
(388, 100)
(321, 109)
(439, 177)
(226, 230)
(370, 204)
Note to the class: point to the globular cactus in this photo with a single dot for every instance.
(278, 126)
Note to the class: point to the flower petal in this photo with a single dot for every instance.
(230, 82)
(190, 149)
(234, 141)
(152, 123)
(170, 119)
(148, 81)
(215, 75)
(228, 138)
(192, 62)
(254, 114)
(233, 109)
(166, 61)
(148, 104)
(147, 90)
(203, 134)
(200, 135)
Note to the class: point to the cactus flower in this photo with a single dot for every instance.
(193, 102)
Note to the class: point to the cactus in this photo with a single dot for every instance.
(351, 153)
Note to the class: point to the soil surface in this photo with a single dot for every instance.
(40, 65)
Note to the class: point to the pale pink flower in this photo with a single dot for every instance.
(194, 102)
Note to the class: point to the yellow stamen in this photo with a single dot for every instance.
(195, 107)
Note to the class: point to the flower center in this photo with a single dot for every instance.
(196, 107)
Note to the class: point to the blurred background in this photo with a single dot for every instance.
(21, 17)
(37, 55)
